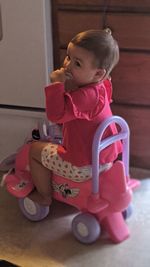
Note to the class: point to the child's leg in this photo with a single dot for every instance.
(41, 176)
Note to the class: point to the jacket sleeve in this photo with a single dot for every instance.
(62, 106)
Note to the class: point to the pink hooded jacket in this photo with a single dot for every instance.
(81, 112)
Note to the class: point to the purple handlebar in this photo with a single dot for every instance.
(99, 144)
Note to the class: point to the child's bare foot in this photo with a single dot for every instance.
(38, 198)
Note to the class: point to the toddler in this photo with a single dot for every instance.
(79, 98)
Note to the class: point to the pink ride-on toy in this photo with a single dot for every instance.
(104, 201)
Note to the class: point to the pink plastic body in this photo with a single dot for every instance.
(105, 196)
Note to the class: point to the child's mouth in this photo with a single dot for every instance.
(68, 75)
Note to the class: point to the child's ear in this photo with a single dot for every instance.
(100, 74)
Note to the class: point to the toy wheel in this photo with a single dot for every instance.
(128, 212)
(32, 210)
(86, 228)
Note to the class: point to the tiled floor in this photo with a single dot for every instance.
(50, 243)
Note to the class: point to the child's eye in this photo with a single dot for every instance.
(77, 63)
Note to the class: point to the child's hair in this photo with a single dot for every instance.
(102, 44)
(4, 263)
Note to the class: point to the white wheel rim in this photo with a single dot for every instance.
(82, 229)
(29, 206)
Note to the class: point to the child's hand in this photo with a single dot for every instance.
(58, 76)
(61, 75)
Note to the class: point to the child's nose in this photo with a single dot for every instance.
(65, 62)
(68, 65)
(68, 69)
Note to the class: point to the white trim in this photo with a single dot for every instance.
(48, 46)
(22, 113)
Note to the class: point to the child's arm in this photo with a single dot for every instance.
(61, 75)
(62, 106)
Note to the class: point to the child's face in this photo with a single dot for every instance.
(79, 65)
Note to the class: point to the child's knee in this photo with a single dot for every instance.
(35, 150)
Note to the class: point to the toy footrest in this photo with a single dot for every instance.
(19, 185)
(116, 227)
(133, 183)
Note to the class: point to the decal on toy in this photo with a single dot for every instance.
(65, 190)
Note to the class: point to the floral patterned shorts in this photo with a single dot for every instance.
(51, 160)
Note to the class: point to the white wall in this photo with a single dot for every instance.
(25, 61)
(24, 50)
(16, 127)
